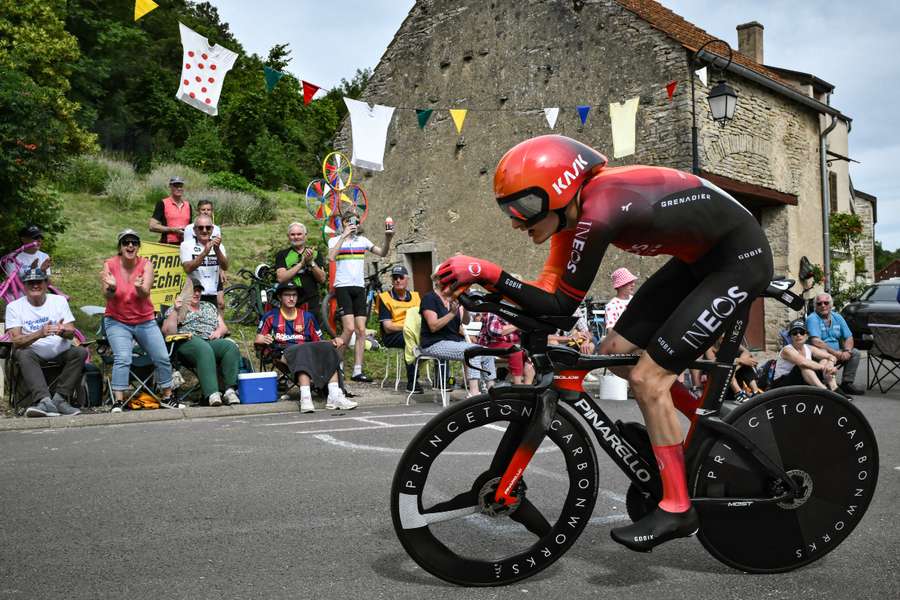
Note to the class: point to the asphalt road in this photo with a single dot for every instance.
(296, 506)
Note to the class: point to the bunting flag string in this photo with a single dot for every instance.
(272, 78)
(458, 115)
(309, 90)
(670, 89)
(423, 115)
(551, 114)
(142, 7)
(701, 73)
(583, 113)
(622, 119)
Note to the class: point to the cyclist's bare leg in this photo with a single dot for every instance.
(360, 324)
(651, 384)
(615, 343)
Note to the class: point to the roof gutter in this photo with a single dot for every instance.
(826, 204)
(773, 85)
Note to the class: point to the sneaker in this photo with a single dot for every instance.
(306, 405)
(231, 397)
(215, 399)
(117, 407)
(362, 378)
(172, 402)
(44, 408)
(741, 397)
(341, 403)
(63, 407)
(851, 389)
(656, 528)
(415, 390)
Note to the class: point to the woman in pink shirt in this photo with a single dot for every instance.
(126, 280)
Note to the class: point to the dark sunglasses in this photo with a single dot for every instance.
(134, 243)
(798, 332)
(823, 303)
(398, 276)
(203, 227)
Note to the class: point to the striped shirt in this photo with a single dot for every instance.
(350, 261)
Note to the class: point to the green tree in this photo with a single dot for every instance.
(204, 149)
(39, 127)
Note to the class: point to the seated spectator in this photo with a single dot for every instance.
(32, 258)
(578, 338)
(623, 283)
(206, 346)
(41, 326)
(497, 333)
(205, 208)
(301, 264)
(172, 214)
(803, 364)
(205, 257)
(392, 307)
(743, 383)
(828, 331)
(292, 336)
(442, 334)
(125, 281)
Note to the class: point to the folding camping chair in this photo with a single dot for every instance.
(884, 355)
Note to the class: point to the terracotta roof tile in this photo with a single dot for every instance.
(687, 34)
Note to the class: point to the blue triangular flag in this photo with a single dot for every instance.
(583, 113)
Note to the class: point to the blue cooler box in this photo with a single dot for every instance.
(257, 388)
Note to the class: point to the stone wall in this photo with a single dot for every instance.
(866, 245)
(504, 62)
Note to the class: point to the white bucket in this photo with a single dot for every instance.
(613, 387)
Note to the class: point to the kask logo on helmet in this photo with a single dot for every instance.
(567, 177)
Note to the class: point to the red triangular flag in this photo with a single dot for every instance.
(670, 88)
(309, 90)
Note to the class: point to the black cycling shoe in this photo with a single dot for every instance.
(656, 528)
(362, 377)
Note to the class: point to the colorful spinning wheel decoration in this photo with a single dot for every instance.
(355, 195)
(337, 170)
(320, 199)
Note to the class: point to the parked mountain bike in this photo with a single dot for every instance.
(497, 487)
(247, 302)
(331, 313)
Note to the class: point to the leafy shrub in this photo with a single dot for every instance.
(231, 181)
(204, 149)
(85, 173)
(238, 208)
(273, 162)
(124, 188)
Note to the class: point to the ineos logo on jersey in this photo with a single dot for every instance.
(582, 229)
(475, 268)
(709, 321)
(566, 179)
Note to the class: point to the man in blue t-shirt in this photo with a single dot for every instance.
(829, 331)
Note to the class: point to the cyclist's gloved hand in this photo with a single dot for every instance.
(463, 271)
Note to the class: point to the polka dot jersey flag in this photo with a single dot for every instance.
(202, 71)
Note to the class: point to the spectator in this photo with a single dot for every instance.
(41, 326)
(743, 383)
(828, 331)
(293, 337)
(348, 250)
(172, 214)
(392, 307)
(206, 346)
(497, 333)
(204, 207)
(803, 364)
(205, 257)
(125, 281)
(623, 282)
(442, 333)
(579, 338)
(32, 258)
(302, 265)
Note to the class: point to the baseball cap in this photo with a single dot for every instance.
(176, 180)
(35, 274)
(31, 231)
(127, 233)
(797, 324)
(399, 270)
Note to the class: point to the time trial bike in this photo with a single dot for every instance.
(496, 488)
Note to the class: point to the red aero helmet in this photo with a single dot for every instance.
(543, 174)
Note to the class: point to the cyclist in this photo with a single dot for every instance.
(556, 188)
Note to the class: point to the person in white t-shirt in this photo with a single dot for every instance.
(348, 251)
(204, 256)
(33, 257)
(41, 326)
(205, 207)
(623, 282)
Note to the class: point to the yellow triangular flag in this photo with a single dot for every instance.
(142, 7)
(459, 115)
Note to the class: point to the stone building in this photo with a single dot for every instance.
(506, 61)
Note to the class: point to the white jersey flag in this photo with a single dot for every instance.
(202, 71)
(701, 73)
(622, 118)
(551, 114)
(368, 125)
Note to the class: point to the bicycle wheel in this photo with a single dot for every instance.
(443, 489)
(355, 195)
(330, 315)
(824, 443)
(240, 304)
(319, 199)
(337, 170)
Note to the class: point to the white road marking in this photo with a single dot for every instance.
(349, 418)
(374, 422)
(337, 429)
(328, 439)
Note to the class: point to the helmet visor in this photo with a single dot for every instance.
(528, 206)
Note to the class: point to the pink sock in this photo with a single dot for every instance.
(670, 460)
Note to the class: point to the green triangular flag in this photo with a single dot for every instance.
(423, 114)
(272, 77)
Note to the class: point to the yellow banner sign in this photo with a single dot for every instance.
(168, 274)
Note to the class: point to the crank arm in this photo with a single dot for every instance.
(535, 431)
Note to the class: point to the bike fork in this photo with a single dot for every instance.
(545, 408)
